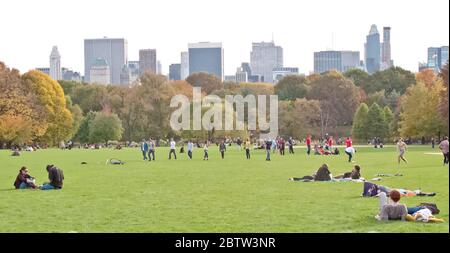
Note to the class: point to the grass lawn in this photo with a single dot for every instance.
(231, 195)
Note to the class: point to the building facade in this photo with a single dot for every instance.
(335, 60)
(55, 64)
(44, 70)
(373, 51)
(264, 57)
(100, 72)
(206, 57)
(184, 71)
(437, 57)
(175, 71)
(386, 60)
(114, 51)
(279, 73)
(147, 61)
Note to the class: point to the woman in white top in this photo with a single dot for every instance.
(205, 150)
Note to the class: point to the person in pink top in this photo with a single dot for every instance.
(330, 143)
(348, 142)
(444, 148)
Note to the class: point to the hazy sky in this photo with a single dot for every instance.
(30, 28)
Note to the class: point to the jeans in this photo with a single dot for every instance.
(446, 158)
(144, 154)
(151, 154)
(268, 155)
(23, 185)
(291, 150)
(48, 187)
(247, 153)
(222, 153)
(190, 154)
(350, 156)
(205, 156)
(413, 210)
(308, 149)
(172, 151)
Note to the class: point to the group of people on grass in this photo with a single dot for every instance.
(324, 174)
(25, 181)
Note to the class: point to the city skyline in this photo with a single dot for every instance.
(292, 29)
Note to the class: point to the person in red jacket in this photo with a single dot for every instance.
(348, 142)
(330, 143)
(308, 144)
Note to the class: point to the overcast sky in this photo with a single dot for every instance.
(30, 28)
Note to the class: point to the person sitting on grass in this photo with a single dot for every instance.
(391, 210)
(24, 180)
(354, 174)
(322, 174)
(56, 177)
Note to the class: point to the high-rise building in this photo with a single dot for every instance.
(44, 70)
(184, 71)
(55, 64)
(175, 71)
(386, 60)
(264, 57)
(147, 61)
(100, 72)
(373, 50)
(206, 57)
(159, 68)
(279, 73)
(437, 57)
(241, 75)
(250, 77)
(70, 75)
(335, 60)
(133, 66)
(114, 51)
(230, 78)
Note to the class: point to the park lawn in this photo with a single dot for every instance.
(231, 195)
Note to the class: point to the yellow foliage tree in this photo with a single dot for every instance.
(50, 99)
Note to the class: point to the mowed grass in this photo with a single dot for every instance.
(230, 195)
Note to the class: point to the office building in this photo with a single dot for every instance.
(175, 71)
(113, 51)
(206, 57)
(184, 69)
(100, 72)
(437, 57)
(373, 50)
(44, 70)
(386, 61)
(264, 57)
(279, 73)
(147, 61)
(335, 60)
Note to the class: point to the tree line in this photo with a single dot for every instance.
(394, 102)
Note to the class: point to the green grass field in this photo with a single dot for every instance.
(231, 195)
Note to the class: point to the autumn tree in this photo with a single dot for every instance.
(359, 130)
(292, 87)
(443, 105)
(339, 99)
(50, 97)
(208, 82)
(299, 118)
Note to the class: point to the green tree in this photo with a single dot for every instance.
(358, 76)
(376, 122)
(292, 87)
(389, 118)
(105, 127)
(359, 128)
(82, 134)
(391, 79)
(443, 105)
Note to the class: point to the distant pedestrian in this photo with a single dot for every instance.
(205, 151)
(350, 151)
(172, 149)
(401, 148)
(247, 148)
(144, 149)
(308, 144)
(268, 148)
(151, 149)
(222, 149)
(190, 147)
(443, 146)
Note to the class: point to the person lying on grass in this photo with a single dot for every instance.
(373, 190)
(56, 177)
(354, 174)
(24, 180)
(322, 174)
(392, 210)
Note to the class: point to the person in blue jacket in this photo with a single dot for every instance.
(144, 149)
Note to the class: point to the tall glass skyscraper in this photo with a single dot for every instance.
(206, 57)
(437, 57)
(335, 60)
(265, 56)
(373, 50)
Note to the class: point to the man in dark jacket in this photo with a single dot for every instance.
(56, 177)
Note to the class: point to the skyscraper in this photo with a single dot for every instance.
(206, 57)
(113, 51)
(159, 68)
(174, 71)
(335, 60)
(264, 57)
(437, 57)
(55, 64)
(386, 61)
(147, 61)
(184, 69)
(373, 50)
(100, 72)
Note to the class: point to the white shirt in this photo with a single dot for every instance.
(172, 145)
(350, 150)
